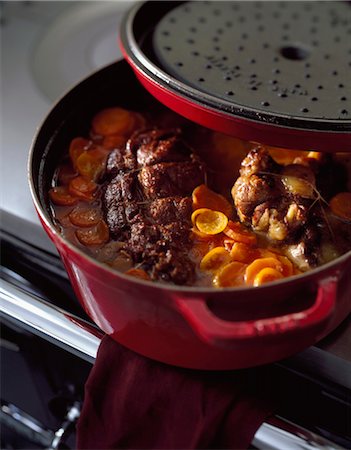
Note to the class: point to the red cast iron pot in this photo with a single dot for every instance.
(190, 327)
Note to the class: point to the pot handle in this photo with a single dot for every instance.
(212, 329)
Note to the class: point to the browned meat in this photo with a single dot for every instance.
(170, 209)
(115, 162)
(121, 203)
(120, 160)
(280, 201)
(252, 191)
(122, 189)
(172, 266)
(145, 237)
(158, 146)
(147, 202)
(170, 179)
(258, 160)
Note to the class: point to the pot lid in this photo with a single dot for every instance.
(278, 73)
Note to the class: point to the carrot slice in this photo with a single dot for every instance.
(244, 253)
(82, 188)
(285, 156)
(214, 259)
(287, 265)
(84, 217)
(211, 222)
(203, 197)
(61, 196)
(113, 121)
(78, 146)
(266, 253)
(237, 232)
(261, 263)
(91, 164)
(266, 275)
(97, 235)
(138, 273)
(196, 213)
(230, 275)
(340, 205)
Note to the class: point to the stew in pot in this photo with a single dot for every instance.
(160, 198)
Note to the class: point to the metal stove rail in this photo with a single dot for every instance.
(82, 339)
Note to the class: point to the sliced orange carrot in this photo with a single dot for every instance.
(82, 188)
(244, 253)
(78, 146)
(230, 275)
(61, 196)
(285, 156)
(84, 217)
(211, 222)
(196, 213)
(287, 265)
(138, 273)
(203, 197)
(91, 164)
(267, 253)
(214, 259)
(261, 263)
(340, 205)
(239, 233)
(97, 235)
(113, 121)
(318, 156)
(266, 275)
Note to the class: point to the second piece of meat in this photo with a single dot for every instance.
(280, 201)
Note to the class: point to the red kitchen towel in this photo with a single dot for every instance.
(132, 402)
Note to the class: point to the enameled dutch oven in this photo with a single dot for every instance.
(190, 327)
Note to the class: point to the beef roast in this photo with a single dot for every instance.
(170, 179)
(147, 201)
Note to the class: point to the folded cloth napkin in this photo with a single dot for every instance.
(132, 402)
